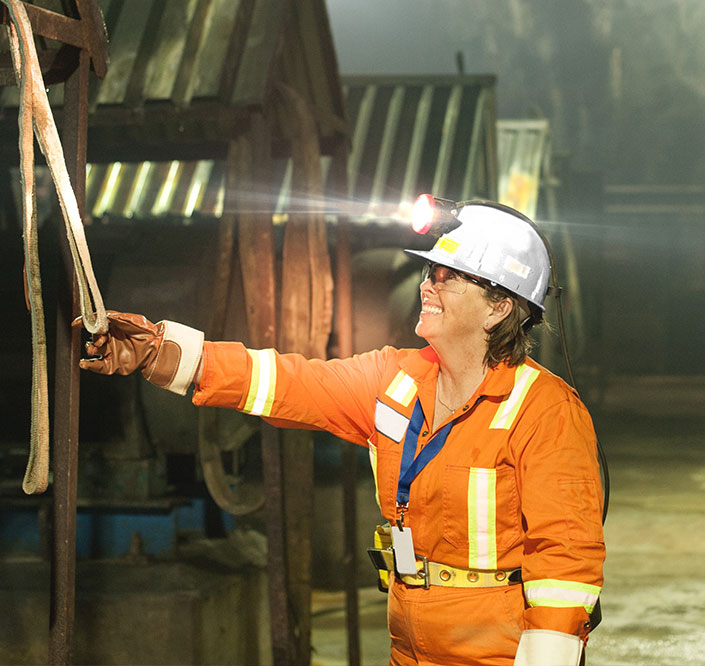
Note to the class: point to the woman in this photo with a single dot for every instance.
(485, 463)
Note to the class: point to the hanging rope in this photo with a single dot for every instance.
(35, 115)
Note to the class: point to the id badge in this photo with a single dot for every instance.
(403, 545)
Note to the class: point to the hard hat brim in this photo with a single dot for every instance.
(443, 260)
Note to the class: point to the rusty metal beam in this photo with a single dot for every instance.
(251, 158)
(66, 389)
(52, 25)
(87, 33)
(344, 335)
(95, 34)
(281, 630)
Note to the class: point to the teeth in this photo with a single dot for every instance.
(431, 309)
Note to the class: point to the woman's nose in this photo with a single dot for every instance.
(427, 285)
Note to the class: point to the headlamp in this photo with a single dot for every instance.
(435, 215)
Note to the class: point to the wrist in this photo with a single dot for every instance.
(178, 357)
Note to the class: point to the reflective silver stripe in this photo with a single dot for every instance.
(263, 382)
(389, 422)
(561, 593)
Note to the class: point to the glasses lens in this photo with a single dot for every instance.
(445, 279)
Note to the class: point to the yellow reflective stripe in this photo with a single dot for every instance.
(373, 463)
(482, 523)
(561, 593)
(263, 381)
(402, 389)
(524, 377)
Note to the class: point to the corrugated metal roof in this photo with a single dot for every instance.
(146, 190)
(524, 152)
(183, 189)
(186, 59)
(420, 134)
(410, 135)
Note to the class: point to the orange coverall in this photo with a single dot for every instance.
(517, 484)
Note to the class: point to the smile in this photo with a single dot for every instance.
(431, 309)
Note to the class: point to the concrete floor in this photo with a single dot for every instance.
(653, 602)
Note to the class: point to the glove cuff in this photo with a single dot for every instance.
(545, 647)
(178, 357)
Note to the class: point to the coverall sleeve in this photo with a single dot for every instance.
(561, 500)
(289, 390)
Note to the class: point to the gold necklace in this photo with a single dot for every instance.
(450, 409)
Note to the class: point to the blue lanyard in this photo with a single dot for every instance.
(410, 466)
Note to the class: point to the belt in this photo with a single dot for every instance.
(435, 573)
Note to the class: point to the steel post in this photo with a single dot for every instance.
(66, 387)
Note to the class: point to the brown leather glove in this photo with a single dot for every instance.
(167, 353)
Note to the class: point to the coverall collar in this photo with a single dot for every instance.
(423, 365)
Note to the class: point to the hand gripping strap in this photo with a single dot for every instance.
(544, 647)
(190, 343)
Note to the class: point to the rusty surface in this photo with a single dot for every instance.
(344, 349)
(66, 394)
(307, 283)
(95, 35)
(349, 471)
(281, 630)
(306, 303)
(88, 33)
(250, 162)
(56, 26)
(255, 234)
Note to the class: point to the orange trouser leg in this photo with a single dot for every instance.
(452, 626)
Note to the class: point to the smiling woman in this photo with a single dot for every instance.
(472, 446)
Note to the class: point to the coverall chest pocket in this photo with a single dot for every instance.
(480, 506)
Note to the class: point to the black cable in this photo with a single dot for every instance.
(556, 289)
(596, 615)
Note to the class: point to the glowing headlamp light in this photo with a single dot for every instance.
(430, 213)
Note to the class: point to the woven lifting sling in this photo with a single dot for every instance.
(35, 115)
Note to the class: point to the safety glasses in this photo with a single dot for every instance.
(447, 279)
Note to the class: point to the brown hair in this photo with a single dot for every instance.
(509, 340)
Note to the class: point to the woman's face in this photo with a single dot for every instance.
(453, 307)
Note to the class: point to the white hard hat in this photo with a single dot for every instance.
(497, 243)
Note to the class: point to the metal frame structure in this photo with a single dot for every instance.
(224, 101)
(85, 36)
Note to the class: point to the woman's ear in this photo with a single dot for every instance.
(500, 311)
